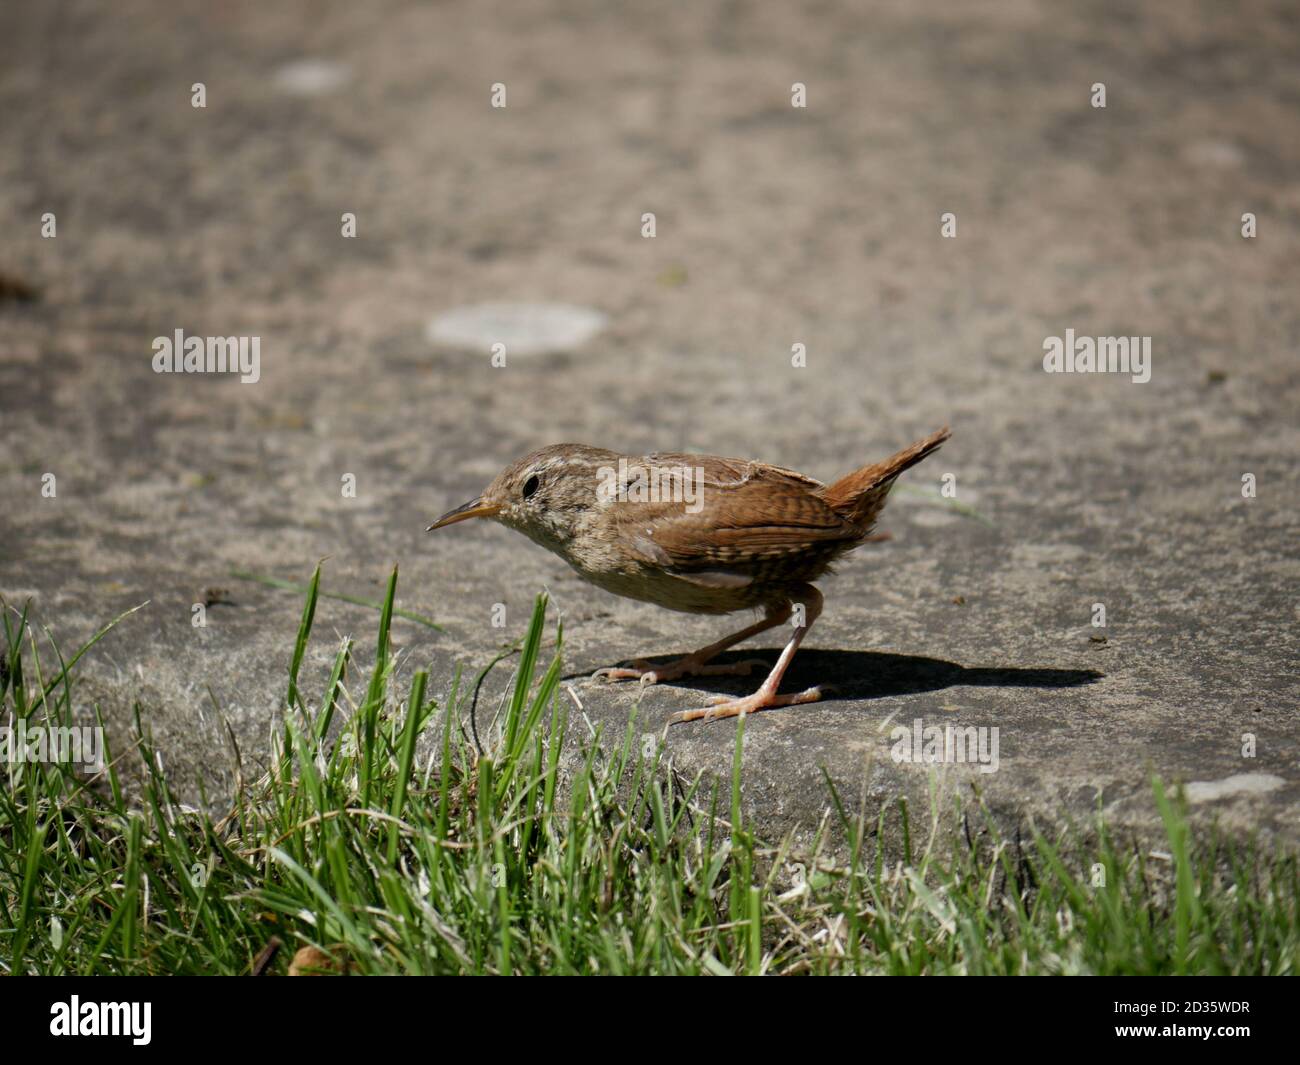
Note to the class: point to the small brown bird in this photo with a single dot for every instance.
(696, 533)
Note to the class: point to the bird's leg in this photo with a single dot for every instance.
(696, 663)
(767, 696)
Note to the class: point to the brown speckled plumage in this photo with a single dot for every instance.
(718, 535)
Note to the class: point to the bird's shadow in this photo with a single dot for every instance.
(877, 674)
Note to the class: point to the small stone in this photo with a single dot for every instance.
(524, 328)
(311, 77)
(312, 961)
(1199, 791)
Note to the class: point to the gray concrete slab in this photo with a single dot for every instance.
(775, 226)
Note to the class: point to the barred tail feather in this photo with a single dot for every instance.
(860, 496)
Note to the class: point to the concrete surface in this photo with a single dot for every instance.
(774, 226)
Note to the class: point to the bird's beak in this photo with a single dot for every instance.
(475, 508)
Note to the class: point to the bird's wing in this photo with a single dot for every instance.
(747, 517)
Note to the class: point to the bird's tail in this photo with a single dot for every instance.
(860, 496)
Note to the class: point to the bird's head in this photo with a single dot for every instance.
(544, 495)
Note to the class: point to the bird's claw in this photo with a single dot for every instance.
(638, 670)
(720, 706)
(612, 673)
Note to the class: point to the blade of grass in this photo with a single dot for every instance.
(289, 586)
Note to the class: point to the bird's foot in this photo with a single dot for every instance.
(721, 706)
(690, 666)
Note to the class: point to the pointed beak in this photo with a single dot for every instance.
(475, 508)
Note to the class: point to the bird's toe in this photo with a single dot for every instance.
(720, 706)
(612, 673)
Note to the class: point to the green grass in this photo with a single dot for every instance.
(403, 833)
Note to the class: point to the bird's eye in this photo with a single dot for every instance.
(531, 485)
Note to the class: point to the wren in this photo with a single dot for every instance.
(695, 533)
